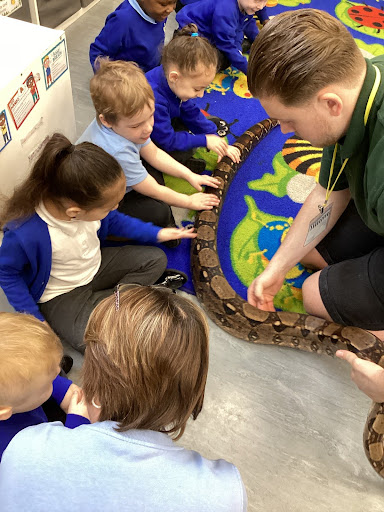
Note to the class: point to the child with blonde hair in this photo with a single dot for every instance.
(125, 106)
(144, 376)
(189, 64)
(30, 354)
(54, 263)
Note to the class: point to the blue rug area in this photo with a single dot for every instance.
(270, 187)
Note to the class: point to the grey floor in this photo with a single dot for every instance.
(291, 421)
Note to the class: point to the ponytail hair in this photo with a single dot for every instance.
(188, 50)
(78, 173)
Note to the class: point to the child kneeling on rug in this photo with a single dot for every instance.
(51, 262)
(124, 105)
(30, 354)
(144, 376)
(189, 64)
(223, 23)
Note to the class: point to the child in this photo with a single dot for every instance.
(51, 264)
(124, 105)
(135, 32)
(30, 354)
(144, 376)
(189, 64)
(223, 22)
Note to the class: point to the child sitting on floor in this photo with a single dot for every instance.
(144, 375)
(223, 23)
(189, 64)
(51, 263)
(30, 354)
(124, 105)
(135, 32)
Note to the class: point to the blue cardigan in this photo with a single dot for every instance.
(223, 24)
(10, 427)
(127, 35)
(168, 107)
(26, 255)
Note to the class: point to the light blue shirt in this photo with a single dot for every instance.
(127, 153)
(94, 468)
(140, 11)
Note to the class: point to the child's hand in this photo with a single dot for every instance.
(234, 154)
(166, 234)
(78, 404)
(196, 180)
(217, 144)
(203, 201)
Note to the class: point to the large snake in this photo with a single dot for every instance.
(237, 317)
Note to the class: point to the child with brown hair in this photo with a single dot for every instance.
(144, 376)
(124, 105)
(52, 261)
(189, 64)
(30, 354)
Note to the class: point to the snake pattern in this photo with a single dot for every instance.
(237, 317)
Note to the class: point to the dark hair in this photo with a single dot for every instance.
(147, 362)
(187, 51)
(80, 173)
(298, 53)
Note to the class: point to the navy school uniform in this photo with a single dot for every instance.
(223, 24)
(130, 34)
(169, 107)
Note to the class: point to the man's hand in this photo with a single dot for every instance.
(197, 180)
(263, 289)
(166, 234)
(217, 144)
(203, 201)
(368, 376)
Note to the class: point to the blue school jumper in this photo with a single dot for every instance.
(26, 255)
(168, 107)
(10, 427)
(223, 24)
(130, 34)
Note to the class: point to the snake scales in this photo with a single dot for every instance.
(236, 316)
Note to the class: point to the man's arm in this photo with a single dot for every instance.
(263, 289)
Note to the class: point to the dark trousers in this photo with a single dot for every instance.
(147, 208)
(68, 313)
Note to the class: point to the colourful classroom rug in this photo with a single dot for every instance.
(270, 187)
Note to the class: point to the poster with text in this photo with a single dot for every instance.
(55, 64)
(5, 131)
(23, 101)
(7, 7)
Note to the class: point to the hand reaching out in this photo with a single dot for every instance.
(78, 404)
(263, 289)
(203, 201)
(234, 154)
(166, 234)
(197, 180)
(217, 144)
(368, 376)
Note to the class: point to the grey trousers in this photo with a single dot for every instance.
(68, 313)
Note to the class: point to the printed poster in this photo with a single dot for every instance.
(7, 7)
(54, 64)
(5, 131)
(23, 101)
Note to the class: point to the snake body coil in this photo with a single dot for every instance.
(237, 317)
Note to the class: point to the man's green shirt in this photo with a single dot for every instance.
(364, 146)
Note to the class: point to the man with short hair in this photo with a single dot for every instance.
(308, 73)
